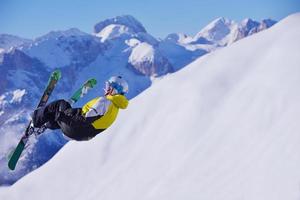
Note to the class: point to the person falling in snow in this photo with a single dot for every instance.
(86, 122)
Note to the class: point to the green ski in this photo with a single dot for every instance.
(83, 90)
(74, 98)
(55, 76)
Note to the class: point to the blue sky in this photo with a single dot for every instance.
(33, 18)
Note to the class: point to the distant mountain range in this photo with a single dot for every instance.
(118, 46)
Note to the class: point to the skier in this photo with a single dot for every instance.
(86, 122)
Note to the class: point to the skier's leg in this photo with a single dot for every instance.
(52, 125)
(74, 118)
(49, 113)
(76, 126)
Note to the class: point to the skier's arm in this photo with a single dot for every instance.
(89, 105)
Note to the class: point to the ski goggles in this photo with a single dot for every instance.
(115, 86)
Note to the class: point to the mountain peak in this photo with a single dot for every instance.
(125, 20)
(9, 41)
(249, 25)
(248, 21)
(219, 21)
(267, 23)
(64, 33)
(216, 30)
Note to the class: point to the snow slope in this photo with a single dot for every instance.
(225, 127)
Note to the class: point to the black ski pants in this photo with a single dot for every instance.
(60, 115)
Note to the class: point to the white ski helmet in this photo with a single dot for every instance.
(119, 85)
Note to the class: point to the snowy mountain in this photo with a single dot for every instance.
(224, 31)
(59, 49)
(181, 49)
(149, 60)
(217, 31)
(234, 134)
(118, 46)
(179, 52)
(10, 41)
(128, 36)
(126, 20)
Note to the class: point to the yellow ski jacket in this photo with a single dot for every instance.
(107, 107)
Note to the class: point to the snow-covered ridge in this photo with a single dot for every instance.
(224, 31)
(113, 31)
(149, 60)
(125, 20)
(232, 134)
(10, 41)
(72, 32)
(63, 48)
(220, 32)
(217, 29)
(142, 52)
